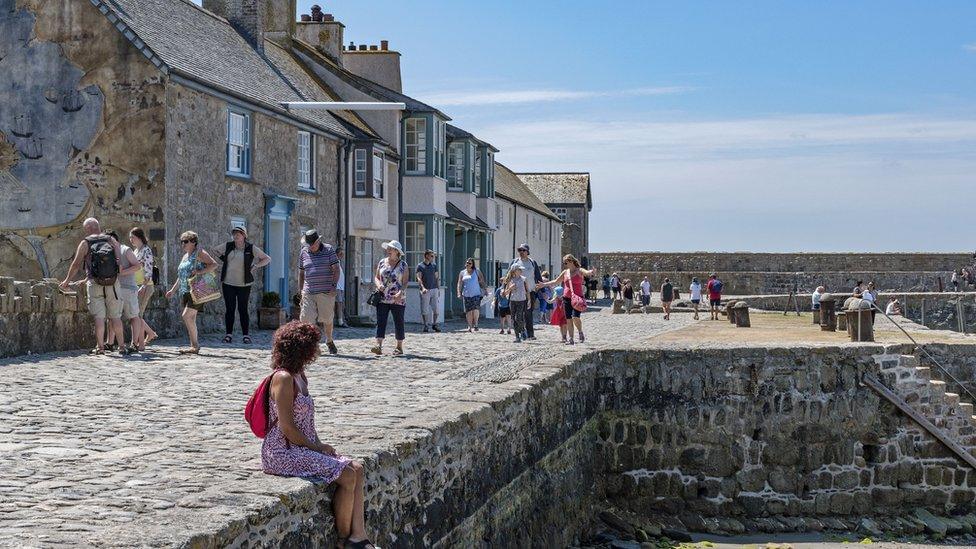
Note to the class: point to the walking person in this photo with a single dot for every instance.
(100, 257)
(129, 267)
(645, 294)
(517, 291)
(341, 291)
(503, 308)
(543, 295)
(144, 279)
(292, 446)
(532, 272)
(615, 286)
(696, 294)
(471, 287)
(714, 288)
(571, 280)
(318, 274)
(195, 261)
(606, 286)
(558, 317)
(667, 296)
(241, 261)
(628, 295)
(955, 281)
(429, 279)
(391, 279)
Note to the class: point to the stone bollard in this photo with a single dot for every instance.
(842, 321)
(859, 324)
(618, 306)
(816, 316)
(730, 311)
(741, 309)
(828, 316)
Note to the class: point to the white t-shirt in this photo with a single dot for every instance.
(341, 283)
(695, 291)
(890, 309)
(868, 295)
(816, 298)
(645, 288)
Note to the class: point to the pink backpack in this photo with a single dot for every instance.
(256, 412)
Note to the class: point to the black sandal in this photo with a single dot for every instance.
(246, 340)
(364, 544)
(228, 339)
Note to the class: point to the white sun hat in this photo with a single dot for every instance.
(395, 244)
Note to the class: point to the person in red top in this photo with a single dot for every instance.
(571, 280)
(714, 288)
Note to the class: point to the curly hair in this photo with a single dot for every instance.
(295, 345)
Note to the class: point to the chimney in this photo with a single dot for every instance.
(322, 32)
(257, 20)
(376, 63)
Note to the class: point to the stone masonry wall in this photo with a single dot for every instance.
(765, 283)
(780, 262)
(785, 436)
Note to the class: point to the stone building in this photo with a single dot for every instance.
(524, 218)
(568, 196)
(130, 111)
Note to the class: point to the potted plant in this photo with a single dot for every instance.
(270, 314)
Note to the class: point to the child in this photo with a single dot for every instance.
(502, 309)
(544, 293)
(558, 314)
(517, 292)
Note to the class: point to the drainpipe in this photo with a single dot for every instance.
(553, 267)
(514, 229)
(344, 186)
(340, 195)
(400, 225)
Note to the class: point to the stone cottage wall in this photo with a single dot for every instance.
(201, 198)
(780, 262)
(81, 134)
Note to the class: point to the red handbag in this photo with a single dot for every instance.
(579, 304)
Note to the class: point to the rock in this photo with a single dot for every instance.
(869, 527)
(621, 544)
(832, 523)
(676, 535)
(934, 526)
(617, 523)
(641, 535)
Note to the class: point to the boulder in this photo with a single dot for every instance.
(934, 526)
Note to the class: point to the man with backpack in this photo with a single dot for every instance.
(714, 288)
(533, 274)
(100, 253)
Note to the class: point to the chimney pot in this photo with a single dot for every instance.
(329, 18)
(374, 47)
(306, 18)
(385, 45)
(362, 47)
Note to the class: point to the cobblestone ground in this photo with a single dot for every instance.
(147, 450)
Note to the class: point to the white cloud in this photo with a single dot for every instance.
(762, 183)
(970, 47)
(513, 97)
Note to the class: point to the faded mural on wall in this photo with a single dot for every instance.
(81, 132)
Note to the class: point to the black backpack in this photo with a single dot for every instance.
(103, 265)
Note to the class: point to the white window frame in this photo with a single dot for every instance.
(238, 143)
(415, 139)
(561, 213)
(416, 243)
(359, 171)
(366, 261)
(306, 161)
(379, 167)
(476, 184)
(455, 167)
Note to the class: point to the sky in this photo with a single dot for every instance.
(714, 125)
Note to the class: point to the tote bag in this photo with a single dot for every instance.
(204, 288)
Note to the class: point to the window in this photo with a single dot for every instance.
(366, 261)
(306, 162)
(440, 140)
(477, 171)
(560, 213)
(238, 143)
(499, 217)
(490, 191)
(379, 175)
(359, 168)
(416, 139)
(455, 167)
(416, 235)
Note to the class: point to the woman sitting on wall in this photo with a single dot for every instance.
(292, 447)
(196, 261)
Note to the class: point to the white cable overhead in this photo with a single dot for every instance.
(343, 106)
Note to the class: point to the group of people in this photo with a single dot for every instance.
(617, 288)
(868, 292)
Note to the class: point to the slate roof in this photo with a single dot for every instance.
(454, 132)
(368, 86)
(560, 188)
(456, 214)
(511, 187)
(200, 46)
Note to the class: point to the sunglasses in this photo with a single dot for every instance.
(188, 241)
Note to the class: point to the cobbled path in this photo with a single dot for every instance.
(148, 450)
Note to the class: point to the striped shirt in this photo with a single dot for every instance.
(319, 278)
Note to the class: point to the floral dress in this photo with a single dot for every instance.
(185, 271)
(280, 457)
(390, 277)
